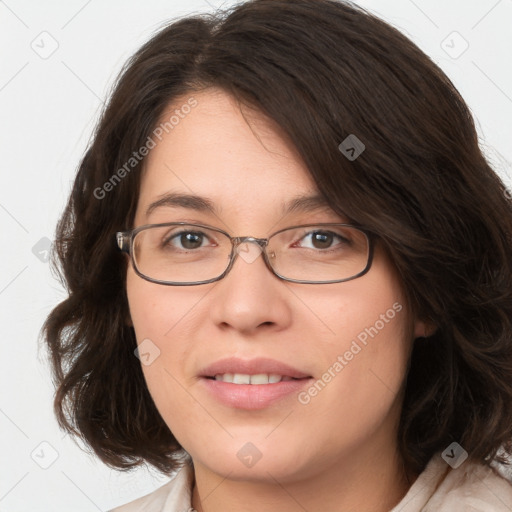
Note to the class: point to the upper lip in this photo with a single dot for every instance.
(251, 367)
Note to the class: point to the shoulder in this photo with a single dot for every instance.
(153, 502)
(173, 496)
(472, 487)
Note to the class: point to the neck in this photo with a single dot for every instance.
(366, 482)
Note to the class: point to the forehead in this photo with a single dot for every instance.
(242, 161)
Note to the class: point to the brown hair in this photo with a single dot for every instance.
(322, 69)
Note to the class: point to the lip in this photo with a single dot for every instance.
(252, 396)
(251, 367)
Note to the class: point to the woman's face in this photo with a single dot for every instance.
(352, 339)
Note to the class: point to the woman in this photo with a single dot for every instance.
(289, 271)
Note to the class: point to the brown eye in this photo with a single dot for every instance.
(321, 240)
(186, 240)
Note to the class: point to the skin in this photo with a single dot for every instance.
(339, 451)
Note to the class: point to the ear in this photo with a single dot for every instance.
(424, 328)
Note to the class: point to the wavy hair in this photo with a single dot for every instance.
(323, 70)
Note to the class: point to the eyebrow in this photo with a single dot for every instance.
(299, 204)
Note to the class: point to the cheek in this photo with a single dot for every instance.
(165, 320)
(356, 398)
(158, 311)
(364, 351)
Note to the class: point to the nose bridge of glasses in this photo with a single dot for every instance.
(238, 240)
(249, 247)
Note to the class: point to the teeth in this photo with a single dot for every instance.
(242, 378)
(227, 377)
(239, 378)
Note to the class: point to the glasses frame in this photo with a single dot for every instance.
(125, 244)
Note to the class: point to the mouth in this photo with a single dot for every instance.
(257, 379)
(252, 384)
(251, 371)
(253, 395)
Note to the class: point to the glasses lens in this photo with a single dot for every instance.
(319, 253)
(181, 253)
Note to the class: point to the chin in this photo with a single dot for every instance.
(255, 461)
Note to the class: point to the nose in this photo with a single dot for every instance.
(250, 297)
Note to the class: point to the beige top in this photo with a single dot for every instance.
(469, 488)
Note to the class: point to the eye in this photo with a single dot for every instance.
(321, 240)
(187, 240)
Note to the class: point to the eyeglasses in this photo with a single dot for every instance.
(183, 254)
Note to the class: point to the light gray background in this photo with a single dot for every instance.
(49, 105)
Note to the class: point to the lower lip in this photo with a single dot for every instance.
(253, 396)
